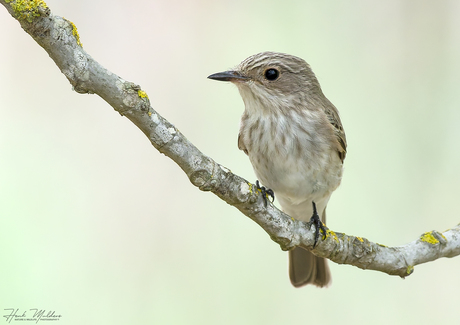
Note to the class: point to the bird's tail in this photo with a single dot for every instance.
(306, 268)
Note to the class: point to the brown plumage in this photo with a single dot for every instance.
(295, 141)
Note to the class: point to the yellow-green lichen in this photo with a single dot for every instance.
(142, 94)
(75, 33)
(360, 239)
(27, 9)
(429, 238)
(409, 270)
(330, 233)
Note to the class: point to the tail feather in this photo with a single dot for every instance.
(306, 268)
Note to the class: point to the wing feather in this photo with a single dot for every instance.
(334, 118)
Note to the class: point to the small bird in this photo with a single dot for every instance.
(295, 141)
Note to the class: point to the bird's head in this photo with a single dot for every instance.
(271, 80)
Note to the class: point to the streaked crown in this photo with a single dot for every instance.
(281, 74)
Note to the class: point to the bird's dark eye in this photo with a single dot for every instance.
(271, 74)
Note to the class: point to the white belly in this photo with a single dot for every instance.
(299, 171)
(297, 183)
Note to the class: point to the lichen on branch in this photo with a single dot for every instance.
(27, 9)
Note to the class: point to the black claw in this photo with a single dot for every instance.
(315, 220)
(270, 193)
(265, 192)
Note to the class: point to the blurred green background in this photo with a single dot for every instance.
(100, 227)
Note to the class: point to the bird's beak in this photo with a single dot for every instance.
(228, 76)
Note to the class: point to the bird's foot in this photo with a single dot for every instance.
(266, 192)
(315, 220)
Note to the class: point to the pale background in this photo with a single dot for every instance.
(98, 226)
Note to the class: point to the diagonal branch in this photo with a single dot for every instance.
(60, 39)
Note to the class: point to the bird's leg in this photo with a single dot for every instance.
(315, 220)
(265, 192)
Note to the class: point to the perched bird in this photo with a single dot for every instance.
(295, 141)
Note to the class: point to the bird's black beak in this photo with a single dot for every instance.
(228, 76)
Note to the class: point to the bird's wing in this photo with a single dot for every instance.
(333, 117)
(241, 145)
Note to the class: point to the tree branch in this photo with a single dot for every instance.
(60, 39)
